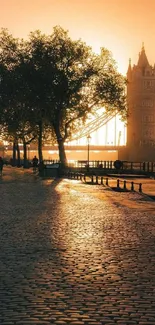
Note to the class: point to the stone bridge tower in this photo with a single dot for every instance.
(141, 110)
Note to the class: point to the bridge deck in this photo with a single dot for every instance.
(79, 147)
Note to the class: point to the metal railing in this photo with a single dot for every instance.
(127, 166)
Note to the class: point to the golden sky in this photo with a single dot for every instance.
(119, 25)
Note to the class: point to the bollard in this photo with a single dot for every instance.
(106, 181)
(118, 183)
(132, 186)
(101, 180)
(92, 179)
(96, 179)
(124, 185)
(140, 187)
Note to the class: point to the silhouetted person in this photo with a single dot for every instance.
(35, 163)
(1, 165)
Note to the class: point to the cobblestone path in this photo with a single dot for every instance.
(71, 254)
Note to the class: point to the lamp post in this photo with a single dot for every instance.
(88, 139)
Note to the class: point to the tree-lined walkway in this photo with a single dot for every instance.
(74, 254)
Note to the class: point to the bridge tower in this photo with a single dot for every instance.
(141, 110)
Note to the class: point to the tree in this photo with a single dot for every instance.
(82, 82)
(15, 115)
(8, 62)
(110, 85)
(37, 74)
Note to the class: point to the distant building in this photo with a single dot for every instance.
(141, 110)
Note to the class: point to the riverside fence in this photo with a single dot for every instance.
(100, 165)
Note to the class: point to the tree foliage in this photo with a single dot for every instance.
(52, 82)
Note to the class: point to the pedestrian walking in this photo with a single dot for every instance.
(35, 163)
(1, 165)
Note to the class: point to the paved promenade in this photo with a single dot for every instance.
(75, 254)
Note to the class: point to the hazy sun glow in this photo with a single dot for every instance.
(120, 26)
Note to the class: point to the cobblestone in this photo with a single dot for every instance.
(74, 254)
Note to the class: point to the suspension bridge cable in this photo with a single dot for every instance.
(93, 125)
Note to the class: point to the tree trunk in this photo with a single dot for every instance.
(40, 142)
(24, 150)
(14, 154)
(18, 155)
(25, 163)
(62, 154)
